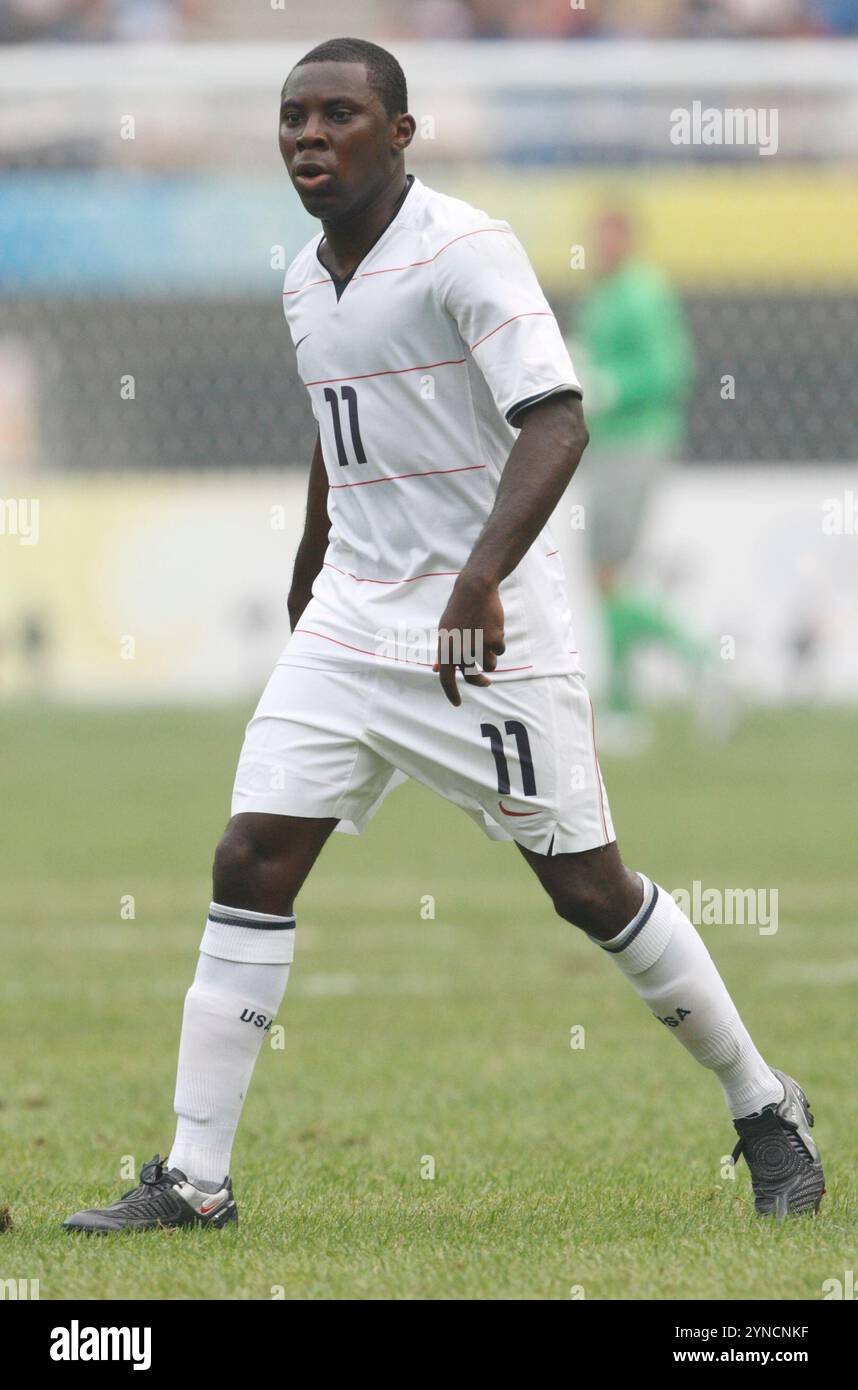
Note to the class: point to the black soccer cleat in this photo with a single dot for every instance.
(164, 1199)
(786, 1170)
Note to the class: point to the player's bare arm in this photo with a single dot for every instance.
(541, 463)
(314, 542)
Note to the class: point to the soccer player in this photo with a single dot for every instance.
(431, 635)
(638, 353)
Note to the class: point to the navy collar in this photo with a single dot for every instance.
(340, 283)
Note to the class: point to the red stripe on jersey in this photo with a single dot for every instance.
(396, 477)
(534, 314)
(430, 574)
(365, 650)
(411, 265)
(403, 660)
(395, 371)
(308, 286)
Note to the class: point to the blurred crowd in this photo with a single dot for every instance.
(497, 19)
(24, 21)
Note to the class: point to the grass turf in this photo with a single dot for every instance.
(595, 1169)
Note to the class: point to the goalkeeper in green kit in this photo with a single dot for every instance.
(631, 334)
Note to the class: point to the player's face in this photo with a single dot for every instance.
(337, 141)
(614, 241)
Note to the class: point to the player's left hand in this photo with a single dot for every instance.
(471, 627)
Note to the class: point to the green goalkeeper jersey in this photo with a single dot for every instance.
(632, 329)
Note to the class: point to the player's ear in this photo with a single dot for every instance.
(404, 133)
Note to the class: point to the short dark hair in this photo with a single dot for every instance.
(383, 72)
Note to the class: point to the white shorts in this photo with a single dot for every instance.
(518, 756)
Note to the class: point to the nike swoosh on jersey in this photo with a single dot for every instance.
(516, 813)
(301, 340)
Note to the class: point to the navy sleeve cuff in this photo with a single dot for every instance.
(521, 406)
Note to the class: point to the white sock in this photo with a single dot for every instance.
(668, 965)
(239, 983)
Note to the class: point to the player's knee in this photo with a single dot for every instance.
(586, 905)
(236, 862)
(601, 896)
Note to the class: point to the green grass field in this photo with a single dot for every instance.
(405, 1038)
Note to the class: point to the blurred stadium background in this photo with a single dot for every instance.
(145, 220)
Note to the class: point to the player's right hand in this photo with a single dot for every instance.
(472, 623)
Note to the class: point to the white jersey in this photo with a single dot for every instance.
(415, 365)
